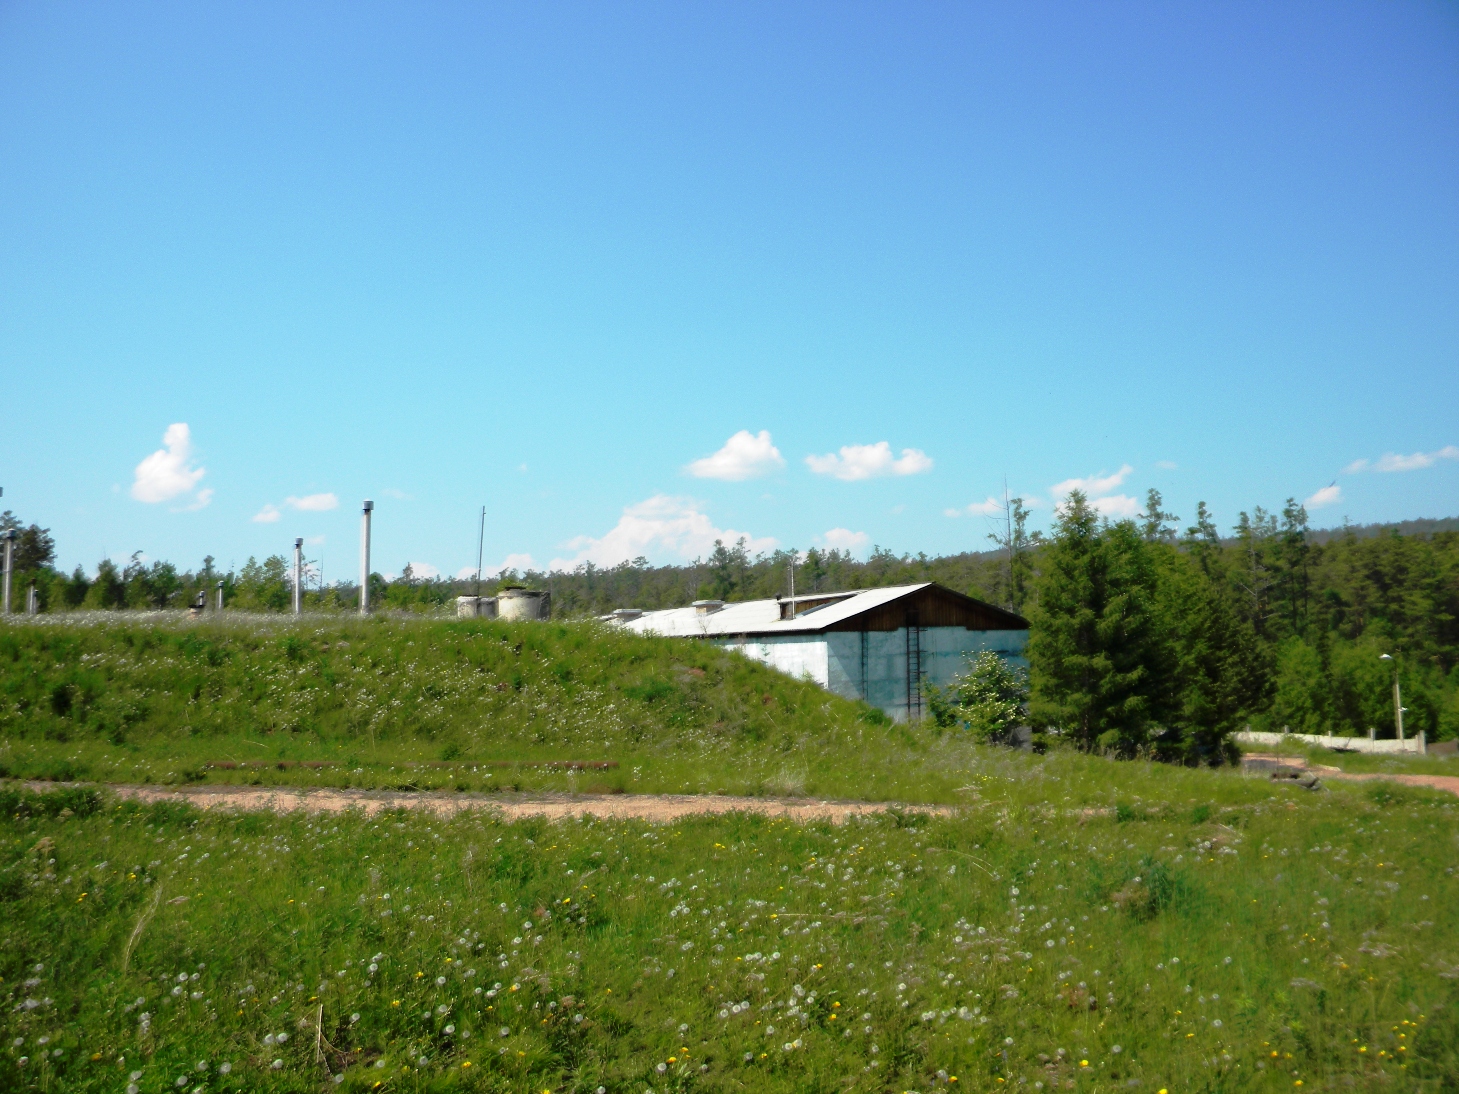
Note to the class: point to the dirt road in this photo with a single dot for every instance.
(650, 807)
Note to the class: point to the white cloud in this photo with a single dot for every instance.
(313, 541)
(200, 501)
(269, 514)
(1394, 461)
(1116, 506)
(1093, 486)
(313, 503)
(991, 507)
(1328, 495)
(389, 492)
(423, 571)
(1166, 465)
(869, 461)
(746, 455)
(520, 562)
(660, 527)
(168, 473)
(844, 539)
(1419, 460)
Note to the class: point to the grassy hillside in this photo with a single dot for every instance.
(1228, 935)
(471, 704)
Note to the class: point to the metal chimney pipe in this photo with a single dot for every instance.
(9, 564)
(365, 556)
(298, 576)
(220, 596)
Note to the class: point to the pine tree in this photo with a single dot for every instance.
(1095, 649)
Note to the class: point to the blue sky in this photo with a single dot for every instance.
(636, 276)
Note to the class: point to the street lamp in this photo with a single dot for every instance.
(1397, 696)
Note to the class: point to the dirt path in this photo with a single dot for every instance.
(1434, 782)
(650, 807)
(1257, 762)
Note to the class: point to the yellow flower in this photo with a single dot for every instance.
(1083, 1063)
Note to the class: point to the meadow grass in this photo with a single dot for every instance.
(1231, 935)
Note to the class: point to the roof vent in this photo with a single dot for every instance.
(707, 607)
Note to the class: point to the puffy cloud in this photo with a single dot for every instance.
(1418, 461)
(519, 562)
(869, 461)
(1328, 495)
(313, 503)
(1093, 486)
(1116, 506)
(844, 539)
(1167, 465)
(200, 501)
(991, 507)
(168, 473)
(423, 571)
(659, 527)
(746, 455)
(1394, 461)
(269, 514)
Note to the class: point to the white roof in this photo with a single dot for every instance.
(763, 616)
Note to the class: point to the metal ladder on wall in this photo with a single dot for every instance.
(914, 667)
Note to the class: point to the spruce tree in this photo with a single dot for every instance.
(1095, 650)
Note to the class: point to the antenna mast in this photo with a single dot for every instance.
(480, 542)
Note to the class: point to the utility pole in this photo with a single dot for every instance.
(298, 576)
(365, 556)
(220, 596)
(793, 555)
(9, 536)
(480, 543)
(1397, 696)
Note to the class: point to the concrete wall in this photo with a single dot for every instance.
(835, 660)
(1390, 745)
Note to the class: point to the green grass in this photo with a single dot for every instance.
(162, 700)
(1179, 944)
(1210, 932)
(1364, 762)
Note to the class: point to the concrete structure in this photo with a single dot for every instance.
(365, 556)
(1417, 746)
(298, 576)
(9, 537)
(521, 604)
(879, 645)
(472, 607)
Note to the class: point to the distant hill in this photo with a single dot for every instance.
(1423, 527)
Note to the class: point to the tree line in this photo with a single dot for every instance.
(1145, 636)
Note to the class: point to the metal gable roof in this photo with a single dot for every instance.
(762, 617)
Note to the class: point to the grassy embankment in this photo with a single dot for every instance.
(475, 704)
(1227, 935)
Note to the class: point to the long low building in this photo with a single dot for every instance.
(871, 644)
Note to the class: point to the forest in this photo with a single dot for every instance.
(1144, 635)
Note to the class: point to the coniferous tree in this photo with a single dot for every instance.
(1095, 649)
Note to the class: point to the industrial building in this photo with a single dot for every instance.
(871, 644)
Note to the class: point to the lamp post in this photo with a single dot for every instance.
(9, 537)
(298, 576)
(365, 556)
(1397, 696)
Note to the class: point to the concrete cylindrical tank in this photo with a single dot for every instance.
(522, 604)
(466, 607)
(486, 607)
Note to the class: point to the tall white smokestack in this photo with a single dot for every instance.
(9, 565)
(298, 576)
(365, 556)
